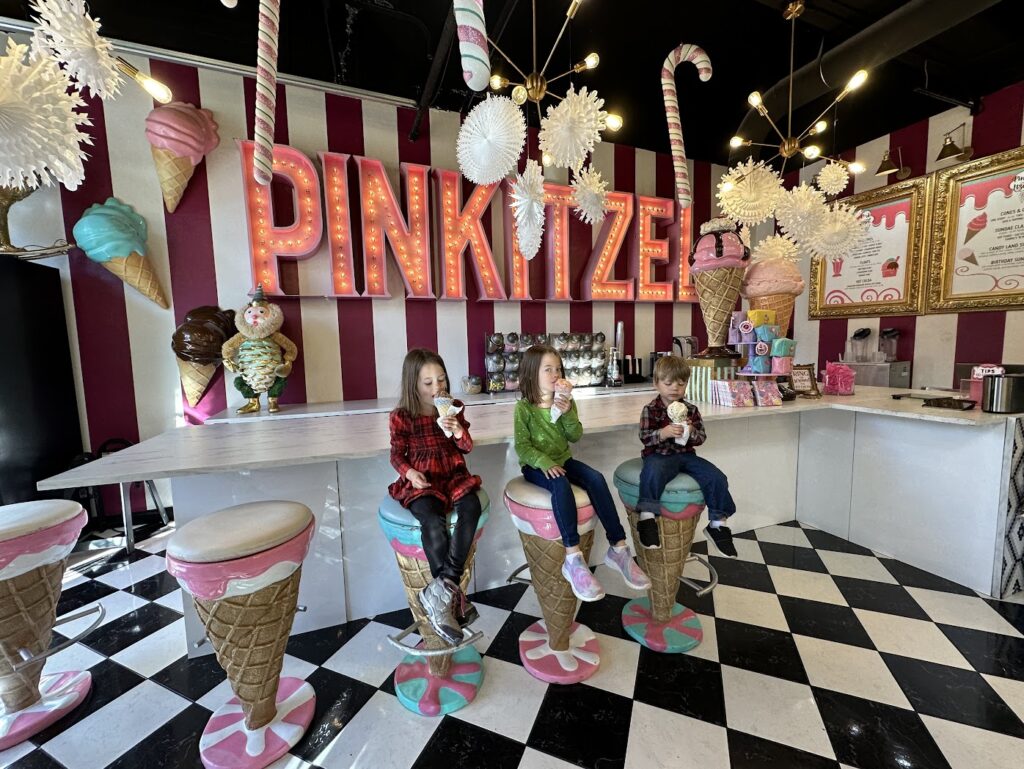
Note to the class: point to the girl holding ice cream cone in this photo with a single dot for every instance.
(429, 436)
(546, 422)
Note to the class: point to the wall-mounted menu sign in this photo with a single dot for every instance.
(977, 256)
(882, 275)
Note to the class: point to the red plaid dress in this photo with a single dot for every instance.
(418, 443)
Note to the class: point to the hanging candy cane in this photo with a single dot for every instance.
(266, 90)
(695, 54)
(476, 62)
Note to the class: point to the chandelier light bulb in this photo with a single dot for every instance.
(229, 3)
(754, 100)
(546, 160)
(811, 151)
(727, 186)
(820, 127)
(856, 167)
(157, 90)
(736, 142)
(519, 95)
(857, 80)
(498, 82)
(613, 122)
(592, 60)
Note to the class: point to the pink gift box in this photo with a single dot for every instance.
(838, 379)
(782, 365)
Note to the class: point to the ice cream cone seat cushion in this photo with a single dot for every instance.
(558, 649)
(435, 685)
(35, 541)
(657, 621)
(242, 566)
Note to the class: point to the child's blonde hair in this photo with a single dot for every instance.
(529, 371)
(416, 359)
(673, 368)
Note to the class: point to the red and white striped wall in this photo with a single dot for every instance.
(125, 374)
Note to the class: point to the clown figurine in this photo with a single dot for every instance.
(260, 353)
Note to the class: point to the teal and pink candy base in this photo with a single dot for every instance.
(680, 634)
(427, 694)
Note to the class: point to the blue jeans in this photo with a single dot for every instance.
(563, 504)
(660, 469)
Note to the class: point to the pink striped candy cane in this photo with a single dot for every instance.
(695, 54)
(266, 90)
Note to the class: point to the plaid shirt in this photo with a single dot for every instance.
(655, 417)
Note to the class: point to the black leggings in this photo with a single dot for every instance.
(447, 554)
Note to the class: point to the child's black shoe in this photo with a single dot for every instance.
(647, 528)
(722, 537)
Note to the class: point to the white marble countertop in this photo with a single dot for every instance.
(276, 442)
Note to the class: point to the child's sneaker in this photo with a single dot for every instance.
(584, 584)
(620, 559)
(722, 537)
(647, 528)
(437, 600)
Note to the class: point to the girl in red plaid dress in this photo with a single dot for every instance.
(433, 481)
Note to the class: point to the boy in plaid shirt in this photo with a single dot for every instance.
(665, 457)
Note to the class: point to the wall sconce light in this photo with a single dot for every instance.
(950, 149)
(887, 167)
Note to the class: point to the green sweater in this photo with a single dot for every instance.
(541, 444)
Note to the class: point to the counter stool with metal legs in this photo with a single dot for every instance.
(657, 621)
(434, 678)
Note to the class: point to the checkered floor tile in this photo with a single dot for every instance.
(816, 653)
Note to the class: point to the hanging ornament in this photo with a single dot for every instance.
(572, 128)
(491, 140)
(41, 138)
(833, 178)
(775, 248)
(528, 207)
(800, 213)
(589, 196)
(266, 91)
(748, 193)
(841, 230)
(67, 32)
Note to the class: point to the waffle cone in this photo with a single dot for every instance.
(665, 565)
(249, 634)
(28, 608)
(195, 378)
(416, 576)
(717, 291)
(783, 305)
(557, 602)
(174, 173)
(137, 272)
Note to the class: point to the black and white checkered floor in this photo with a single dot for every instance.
(816, 653)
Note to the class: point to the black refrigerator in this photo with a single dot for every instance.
(39, 431)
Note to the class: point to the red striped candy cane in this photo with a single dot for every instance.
(695, 54)
(266, 90)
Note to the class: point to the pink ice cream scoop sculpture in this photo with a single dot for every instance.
(773, 284)
(180, 136)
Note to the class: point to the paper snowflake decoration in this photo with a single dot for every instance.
(775, 248)
(833, 178)
(748, 193)
(491, 140)
(800, 212)
(528, 207)
(72, 36)
(572, 128)
(841, 230)
(589, 196)
(40, 131)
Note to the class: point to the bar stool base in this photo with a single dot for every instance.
(680, 634)
(428, 695)
(578, 663)
(227, 744)
(61, 692)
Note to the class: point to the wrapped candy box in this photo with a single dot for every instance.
(761, 317)
(735, 333)
(783, 348)
(767, 333)
(838, 379)
(735, 394)
(760, 364)
(782, 365)
(767, 394)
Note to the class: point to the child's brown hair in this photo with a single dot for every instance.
(671, 367)
(415, 360)
(529, 371)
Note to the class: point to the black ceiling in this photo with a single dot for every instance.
(388, 46)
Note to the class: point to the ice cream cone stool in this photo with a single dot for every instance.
(657, 621)
(35, 541)
(242, 566)
(557, 649)
(434, 678)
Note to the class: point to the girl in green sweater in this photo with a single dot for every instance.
(542, 444)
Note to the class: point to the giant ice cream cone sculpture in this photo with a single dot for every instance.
(114, 235)
(242, 567)
(179, 135)
(717, 264)
(35, 541)
(197, 345)
(773, 284)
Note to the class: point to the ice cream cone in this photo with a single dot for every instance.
(28, 608)
(717, 291)
(195, 378)
(557, 602)
(443, 402)
(137, 272)
(416, 576)
(664, 565)
(249, 634)
(174, 173)
(783, 305)
(971, 234)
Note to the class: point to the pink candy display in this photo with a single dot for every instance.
(699, 59)
(838, 379)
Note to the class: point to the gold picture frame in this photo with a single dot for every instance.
(997, 255)
(876, 263)
(803, 380)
